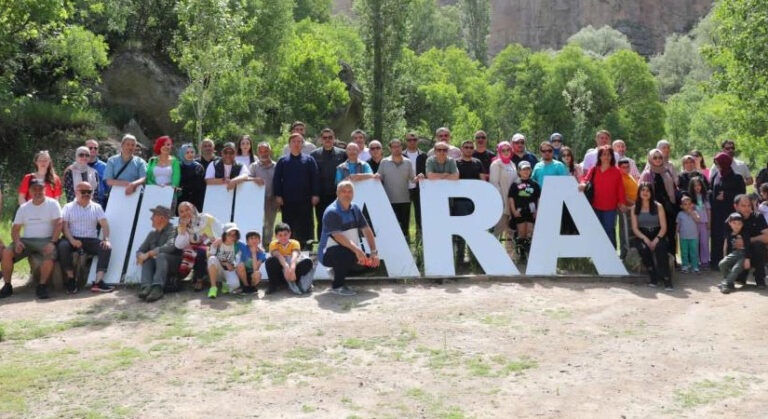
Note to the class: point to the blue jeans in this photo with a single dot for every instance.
(608, 221)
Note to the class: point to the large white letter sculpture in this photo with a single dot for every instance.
(549, 245)
(438, 227)
(153, 196)
(249, 209)
(218, 202)
(120, 215)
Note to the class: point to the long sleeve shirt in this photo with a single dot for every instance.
(327, 161)
(296, 178)
(162, 241)
(609, 188)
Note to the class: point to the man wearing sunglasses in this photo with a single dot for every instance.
(482, 153)
(739, 167)
(99, 165)
(328, 157)
(548, 166)
(418, 160)
(443, 136)
(519, 153)
(80, 219)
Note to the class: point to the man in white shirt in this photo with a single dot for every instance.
(41, 220)
(226, 171)
(418, 161)
(738, 166)
(79, 221)
(602, 138)
(308, 147)
(620, 148)
(359, 137)
(443, 135)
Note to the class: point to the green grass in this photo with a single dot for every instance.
(21, 267)
(708, 391)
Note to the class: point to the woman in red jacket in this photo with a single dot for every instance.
(608, 190)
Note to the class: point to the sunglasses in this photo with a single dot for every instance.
(441, 150)
(657, 158)
(548, 150)
(85, 192)
(468, 147)
(519, 143)
(83, 155)
(374, 148)
(327, 137)
(93, 148)
(480, 137)
(227, 152)
(557, 140)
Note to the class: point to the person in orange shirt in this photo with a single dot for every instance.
(630, 191)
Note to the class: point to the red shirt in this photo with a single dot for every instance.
(609, 188)
(51, 191)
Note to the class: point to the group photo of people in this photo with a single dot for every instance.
(689, 216)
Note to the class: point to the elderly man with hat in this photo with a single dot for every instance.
(40, 218)
(157, 255)
(226, 171)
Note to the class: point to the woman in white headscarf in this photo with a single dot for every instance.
(196, 231)
(79, 171)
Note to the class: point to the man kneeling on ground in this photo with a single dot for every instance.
(158, 255)
(340, 246)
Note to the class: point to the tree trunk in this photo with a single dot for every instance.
(378, 73)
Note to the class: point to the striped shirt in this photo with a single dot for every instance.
(82, 221)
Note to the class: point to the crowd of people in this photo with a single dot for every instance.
(703, 212)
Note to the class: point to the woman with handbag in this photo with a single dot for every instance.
(649, 223)
(604, 188)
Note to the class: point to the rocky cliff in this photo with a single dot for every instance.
(541, 24)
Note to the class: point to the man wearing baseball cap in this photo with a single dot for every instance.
(40, 218)
(157, 255)
(226, 171)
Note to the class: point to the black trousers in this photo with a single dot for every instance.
(757, 261)
(320, 209)
(298, 215)
(342, 260)
(275, 272)
(90, 246)
(403, 213)
(656, 261)
(416, 200)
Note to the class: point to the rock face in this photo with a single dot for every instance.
(541, 24)
(141, 85)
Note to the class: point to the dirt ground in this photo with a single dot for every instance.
(467, 348)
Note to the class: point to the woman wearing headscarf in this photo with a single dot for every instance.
(192, 181)
(503, 174)
(663, 182)
(80, 171)
(689, 172)
(163, 169)
(196, 231)
(43, 171)
(726, 185)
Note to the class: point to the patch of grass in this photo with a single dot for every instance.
(347, 402)
(401, 341)
(23, 330)
(301, 352)
(498, 366)
(498, 320)
(23, 377)
(2, 333)
(308, 409)
(440, 358)
(434, 405)
(522, 364)
(559, 314)
(216, 333)
(708, 391)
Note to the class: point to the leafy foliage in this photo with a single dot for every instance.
(600, 42)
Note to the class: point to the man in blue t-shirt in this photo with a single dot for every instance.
(340, 245)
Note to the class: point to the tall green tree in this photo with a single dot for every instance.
(476, 20)
(383, 27)
(600, 42)
(316, 10)
(208, 49)
(433, 26)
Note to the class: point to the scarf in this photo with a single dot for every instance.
(724, 162)
(661, 170)
(182, 152)
(81, 171)
(499, 155)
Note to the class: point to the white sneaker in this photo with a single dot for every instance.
(345, 291)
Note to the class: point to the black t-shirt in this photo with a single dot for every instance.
(485, 158)
(528, 156)
(469, 169)
(525, 193)
(753, 226)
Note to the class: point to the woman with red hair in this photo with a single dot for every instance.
(608, 188)
(163, 169)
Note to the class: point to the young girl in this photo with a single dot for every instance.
(222, 261)
(523, 199)
(699, 194)
(688, 234)
(250, 263)
(245, 151)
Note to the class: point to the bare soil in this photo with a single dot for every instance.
(468, 348)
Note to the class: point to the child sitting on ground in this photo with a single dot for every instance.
(688, 234)
(285, 264)
(523, 199)
(222, 261)
(251, 258)
(736, 260)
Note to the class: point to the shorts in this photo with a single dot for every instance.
(34, 246)
(523, 218)
(223, 275)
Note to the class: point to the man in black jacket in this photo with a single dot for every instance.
(327, 158)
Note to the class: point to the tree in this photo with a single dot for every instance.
(208, 49)
(600, 42)
(383, 30)
(316, 10)
(680, 62)
(641, 114)
(433, 26)
(476, 20)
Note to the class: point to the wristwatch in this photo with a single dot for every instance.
(374, 252)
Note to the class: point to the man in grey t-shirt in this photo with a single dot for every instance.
(262, 172)
(396, 173)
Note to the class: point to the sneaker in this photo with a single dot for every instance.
(6, 291)
(213, 292)
(155, 294)
(725, 289)
(42, 292)
(761, 286)
(668, 287)
(251, 289)
(696, 270)
(294, 288)
(238, 290)
(345, 291)
(101, 287)
(652, 284)
(144, 292)
(305, 282)
(684, 269)
(224, 289)
(71, 286)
